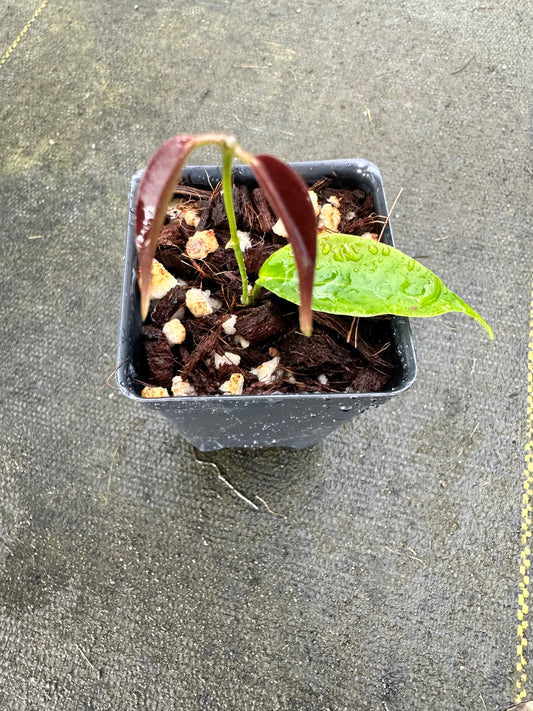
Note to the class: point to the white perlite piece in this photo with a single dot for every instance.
(329, 217)
(162, 281)
(323, 379)
(241, 341)
(234, 385)
(174, 208)
(244, 241)
(177, 208)
(229, 325)
(181, 387)
(153, 391)
(200, 303)
(314, 200)
(201, 244)
(265, 371)
(226, 359)
(279, 227)
(174, 331)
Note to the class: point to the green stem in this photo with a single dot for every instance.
(255, 292)
(227, 159)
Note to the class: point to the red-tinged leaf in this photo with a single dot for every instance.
(155, 191)
(289, 198)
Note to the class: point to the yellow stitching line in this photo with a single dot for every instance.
(525, 560)
(22, 33)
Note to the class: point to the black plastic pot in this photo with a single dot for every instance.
(295, 420)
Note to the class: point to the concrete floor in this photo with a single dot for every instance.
(388, 576)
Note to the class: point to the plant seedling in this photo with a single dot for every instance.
(329, 272)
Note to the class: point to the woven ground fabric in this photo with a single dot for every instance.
(385, 568)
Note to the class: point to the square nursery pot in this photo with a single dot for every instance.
(287, 420)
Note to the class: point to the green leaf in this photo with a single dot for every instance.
(356, 276)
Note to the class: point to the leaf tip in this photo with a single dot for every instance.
(306, 323)
(145, 304)
(488, 329)
(474, 314)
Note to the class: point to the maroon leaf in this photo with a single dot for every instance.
(155, 191)
(289, 198)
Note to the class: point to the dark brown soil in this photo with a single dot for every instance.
(343, 354)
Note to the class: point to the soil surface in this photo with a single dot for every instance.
(343, 354)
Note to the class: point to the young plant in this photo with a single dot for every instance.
(330, 272)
